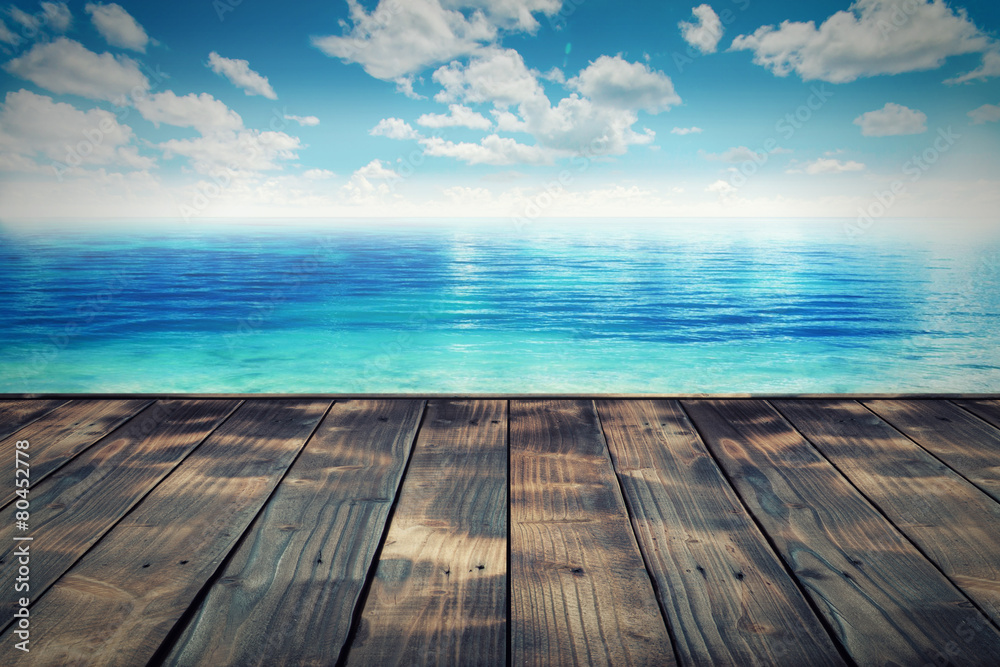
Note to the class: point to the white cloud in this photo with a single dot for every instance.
(305, 121)
(494, 149)
(990, 68)
(400, 38)
(394, 128)
(722, 188)
(36, 127)
(493, 75)
(892, 119)
(576, 124)
(202, 112)
(615, 82)
(828, 166)
(509, 14)
(117, 26)
(706, 32)
(555, 75)
(318, 174)
(67, 67)
(872, 37)
(28, 22)
(234, 151)
(360, 189)
(686, 130)
(240, 75)
(57, 16)
(988, 113)
(458, 116)
(736, 154)
(404, 84)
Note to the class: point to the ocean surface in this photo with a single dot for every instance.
(595, 306)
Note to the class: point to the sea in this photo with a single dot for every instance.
(500, 306)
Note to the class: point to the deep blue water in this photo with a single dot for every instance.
(485, 306)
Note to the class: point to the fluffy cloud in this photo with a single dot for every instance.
(400, 38)
(6, 36)
(597, 120)
(872, 37)
(988, 113)
(240, 75)
(235, 152)
(67, 67)
(706, 32)
(615, 82)
(457, 116)
(360, 189)
(686, 130)
(117, 26)
(305, 121)
(494, 149)
(394, 128)
(494, 75)
(202, 112)
(827, 166)
(36, 127)
(892, 119)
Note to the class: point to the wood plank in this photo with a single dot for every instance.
(956, 525)
(117, 604)
(73, 509)
(727, 595)
(439, 595)
(883, 598)
(15, 415)
(580, 593)
(62, 434)
(988, 411)
(967, 444)
(289, 592)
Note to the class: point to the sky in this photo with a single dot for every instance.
(520, 109)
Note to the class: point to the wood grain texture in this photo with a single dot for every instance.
(727, 595)
(439, 595)
(883, 598)
(17, 414)
(62, 434)
(987, 410)
(966, 443)
(580, 593)
(117, 604)
(956, 525)
(74, 508)
(288, 594)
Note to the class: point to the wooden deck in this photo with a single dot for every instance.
(321, 531)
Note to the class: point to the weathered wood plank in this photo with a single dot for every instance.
(62, 434)
(967, 444)
(580, 593)
(955, 524)
(71, 510)
(17, 414)
(117, 604)
(288, 594)
(727, 595)
(440, 591)
(988, 411)
(883, 598)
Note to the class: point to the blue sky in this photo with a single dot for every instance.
(513, 108)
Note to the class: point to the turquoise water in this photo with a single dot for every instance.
(490, 306)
